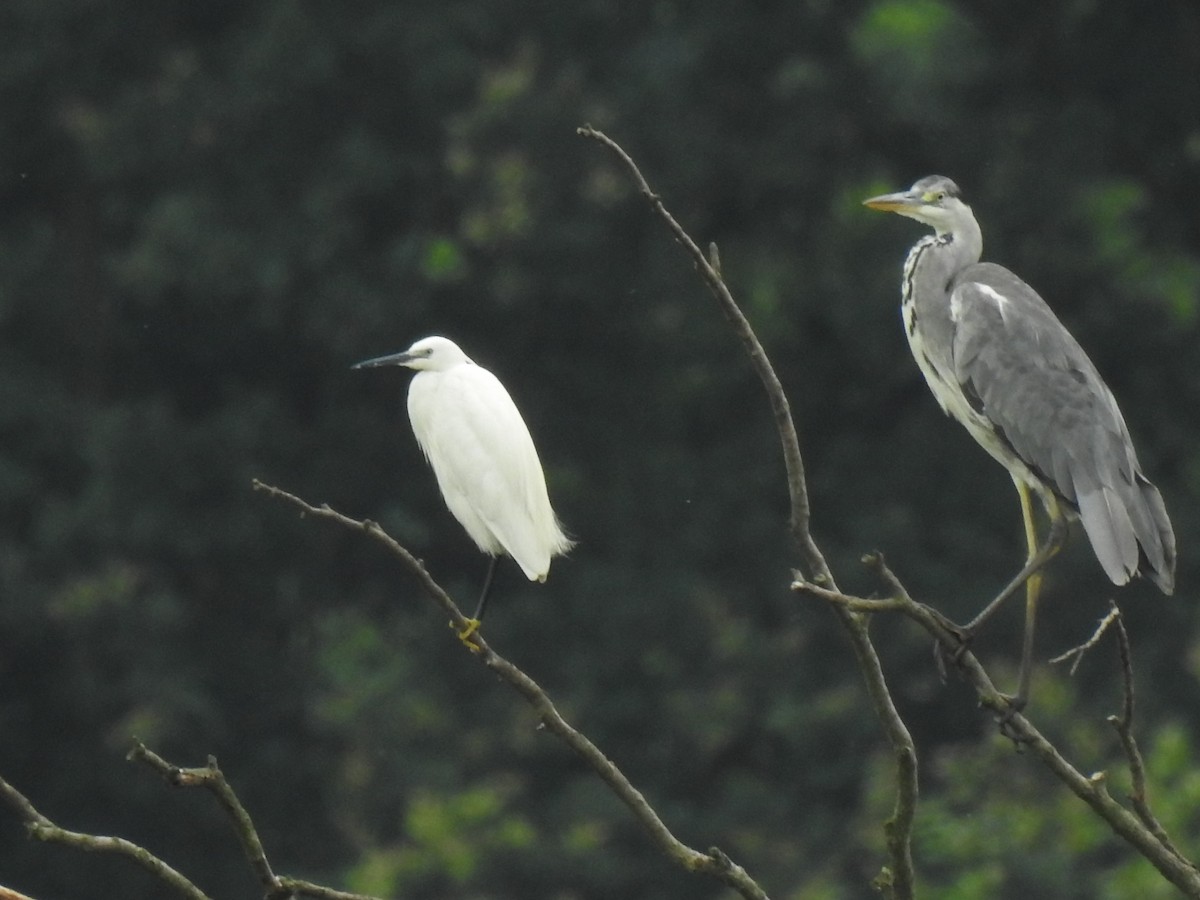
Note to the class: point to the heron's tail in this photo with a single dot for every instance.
(1161, 568)
(1130, 532)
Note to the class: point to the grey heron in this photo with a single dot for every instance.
(1001, 363)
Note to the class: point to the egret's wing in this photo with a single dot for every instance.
(1023, 371)
(485, 462)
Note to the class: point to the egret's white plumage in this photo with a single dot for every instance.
(481, 453)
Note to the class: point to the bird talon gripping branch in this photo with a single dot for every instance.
(467, 634)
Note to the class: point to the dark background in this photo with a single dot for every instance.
(209, 211)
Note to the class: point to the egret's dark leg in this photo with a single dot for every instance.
(487, 587)
(476, 620)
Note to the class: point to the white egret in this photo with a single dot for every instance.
(483, 456)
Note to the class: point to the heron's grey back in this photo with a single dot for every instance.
(1024, 371)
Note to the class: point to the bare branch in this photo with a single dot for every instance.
(1123, 724)
(797, 488)
(212, 779)
(1075, 654)
(898, 881)
(43, 829)
(714, 863)
(295, 887)
(1141, 831)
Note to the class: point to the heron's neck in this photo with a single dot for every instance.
(966, 241)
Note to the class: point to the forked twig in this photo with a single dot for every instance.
(1075, 654)
(1123, 724)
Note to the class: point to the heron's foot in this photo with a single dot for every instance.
(1013, 705)
(961, 633)
(466, 635)
(944, 655)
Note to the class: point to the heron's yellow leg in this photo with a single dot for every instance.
(1033, 589)
(1038, 557)
(1033, 585)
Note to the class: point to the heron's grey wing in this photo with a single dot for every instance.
(1025, 373)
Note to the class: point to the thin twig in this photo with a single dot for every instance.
(1149, 840)
(1123, 724)
(898, 880)
(1075, 654)
(714, 863)
(211, 778)
(43, 829)
(800, 512)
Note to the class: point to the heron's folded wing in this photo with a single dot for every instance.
(1029, 378)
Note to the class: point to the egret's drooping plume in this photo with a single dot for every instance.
(482, 455)
(999, 361)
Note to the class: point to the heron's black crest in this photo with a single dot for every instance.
(935, 184)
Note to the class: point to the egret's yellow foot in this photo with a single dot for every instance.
(467, 633)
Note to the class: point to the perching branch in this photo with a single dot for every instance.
(43, 829)
(1142, 830)
(714, 863)
(1136, 829)
(898, 880)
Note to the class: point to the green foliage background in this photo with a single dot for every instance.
(208, 211)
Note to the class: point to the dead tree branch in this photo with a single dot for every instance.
(1123, 724)
(1140, 830)
(41, 828)
(1135, 828)
(209, 777)
(1076, 654)
(714, 863)
(897, 879)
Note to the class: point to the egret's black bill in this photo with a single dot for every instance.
(392, 359)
